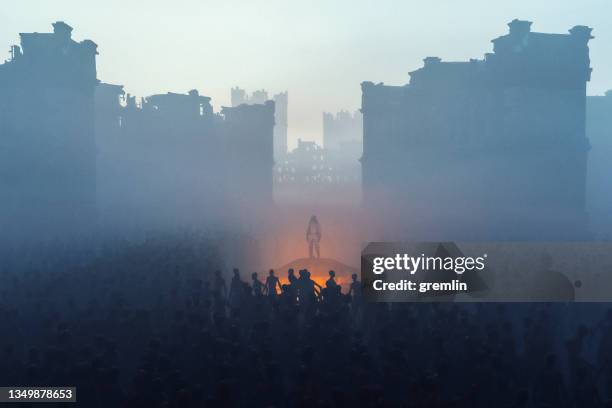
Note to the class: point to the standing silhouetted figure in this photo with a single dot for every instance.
(236, 289)
(355, 295)
(271, 283)
(219, 286)
(291, 290)
(258, 287)
(309, 290)
(313, 237)
(331, 282)
(291, 277)
(355, 289)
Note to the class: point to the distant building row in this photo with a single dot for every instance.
(173, 161)
(482, 149)
(311, 164)
(70, 146)
(342, 132)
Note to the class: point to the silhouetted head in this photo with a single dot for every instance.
(332, 274)
(290, 272)
(271, 272)
(354, 277)
(313, 219)
(236, 272)
(254, 275)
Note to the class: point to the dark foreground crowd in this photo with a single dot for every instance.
(155, 325)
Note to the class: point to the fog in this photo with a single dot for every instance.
(494, 147)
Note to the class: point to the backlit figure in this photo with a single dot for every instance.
(313, 236)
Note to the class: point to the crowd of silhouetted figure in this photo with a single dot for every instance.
(159, 325)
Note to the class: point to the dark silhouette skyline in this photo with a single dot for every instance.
(491, 148)
(504, 135)
(47, 136)
(277, 46)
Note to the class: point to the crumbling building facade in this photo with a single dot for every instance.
(281, 102)
(47, 147)
(248, 135)
(159, 161)
(491, 148)
(173, 161)
(78, 156)
(281, 124)
(305, 165)
(343, 132)
(343, 141)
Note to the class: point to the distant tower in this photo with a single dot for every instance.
(248, 131)
(238, 96)
(260, 97)
(343, 132)
(280, 127)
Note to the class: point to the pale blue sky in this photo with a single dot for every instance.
(318, 50)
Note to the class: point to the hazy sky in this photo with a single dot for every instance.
(320, 51)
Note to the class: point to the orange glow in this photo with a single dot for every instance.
(319, 270)
(283, 245)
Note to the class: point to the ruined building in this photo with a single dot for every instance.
(169, 160)
(78, 156)
(158, 161)
(247, 132)
(281, 100)
(343, 132)
(307, 164)
(47, 148)
(312, 175)
(485, 149)
(334, 165)
(109, 102)
(343, 142)
(239, 96)
(599, 173)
